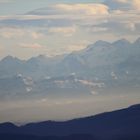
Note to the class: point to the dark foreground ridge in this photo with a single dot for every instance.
(122, 124)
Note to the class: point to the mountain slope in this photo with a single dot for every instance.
(31, 137)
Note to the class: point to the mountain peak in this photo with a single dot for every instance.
(38, 58)
(10, 58)
(101, 43)
(7, 124)
(121, 42)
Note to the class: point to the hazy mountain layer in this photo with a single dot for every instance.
(100, 68)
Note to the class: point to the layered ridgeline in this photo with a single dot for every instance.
(117, 125)
(102, 67)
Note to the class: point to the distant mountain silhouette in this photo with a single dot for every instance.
(122, 124)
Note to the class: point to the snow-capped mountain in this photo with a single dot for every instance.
(99, 67)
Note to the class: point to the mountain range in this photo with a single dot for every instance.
(100, 67)
(121, 124)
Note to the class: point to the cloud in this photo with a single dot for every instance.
(62, 9)
(13, 33)
(77, 46)
(118, 4)
(123, 5)
(67, 31)
(96, 29)
(122, 28)
(123, 19)
(130, 26)
(36, 35)
(32, 46)
(87, 9)
(68, 24)
(136, 4)
(57, 19)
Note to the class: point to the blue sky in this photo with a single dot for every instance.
(52, 27)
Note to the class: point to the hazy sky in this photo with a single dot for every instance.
(50, 27)
(63, 109)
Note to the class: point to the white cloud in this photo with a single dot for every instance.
(97, 29)
(77, 46)
(131, 26)
(32, 46)
(36, 35)
(86, 9)
(82, 9)
(11, 33)
(136, 4)
(67, 31)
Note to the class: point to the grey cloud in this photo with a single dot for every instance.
(35, 22)
(123, 5)
(119, 28)
(118, 4)
(55, 18)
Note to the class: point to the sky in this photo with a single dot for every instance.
(24, 111)
(53, 27)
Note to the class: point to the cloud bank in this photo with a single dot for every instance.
(68, 24)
